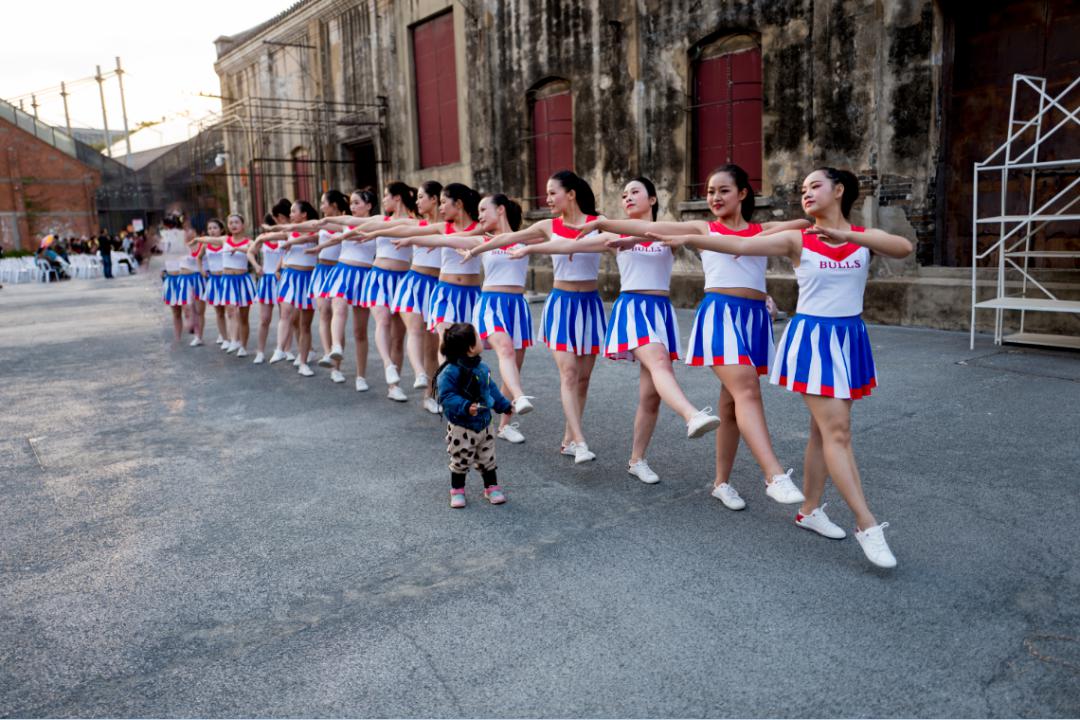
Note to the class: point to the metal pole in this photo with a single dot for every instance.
(104, 114)
(67, 115)
(34, 104)
(123, 109)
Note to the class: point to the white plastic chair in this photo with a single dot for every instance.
(45, 270)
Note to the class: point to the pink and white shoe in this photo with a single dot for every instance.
(494, 495)
(457, 498)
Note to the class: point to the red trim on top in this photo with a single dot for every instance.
(422, 223)
(559, 229)
(814, 243)
(271, 245)
(387, 218)
(749, 231)
(243, 241)
(449, 229)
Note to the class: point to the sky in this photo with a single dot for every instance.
(167, 51)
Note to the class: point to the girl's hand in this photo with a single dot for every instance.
(311, 251)
(672, 241)
(519, 252)
(474, 408)
(466, 254)
(770, 306)
(585, 228)
(835, 235)
(622, 243)
(402, 243)
(268, 228)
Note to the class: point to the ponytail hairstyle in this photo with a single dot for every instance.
(281, 207)
(458, 339)
(650, 190)
(268, 219)
(582, 192)
(432, 188)
(368, 195)
(309, 211)
(338, 200)
(512, 208)
(405, 192)
(847, 180)
(470, 199)
(742, 182)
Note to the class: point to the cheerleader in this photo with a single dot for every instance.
(332, 203)
(177, 291)
(237, 287)
(824, 353)
(411, 302)
(572, 324)
(266, 291)
(191, 270)
(732, 330)
(293, 296)
(210, 257)
(642, 326)
(500, 313)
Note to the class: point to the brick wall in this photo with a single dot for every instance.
(42, 191)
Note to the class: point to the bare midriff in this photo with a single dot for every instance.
(424, 270)
(299, 267)
(515, 289)
(354, 264)
(576, 285)
(466, 280)
(739, 292)
(391, 264)
(234, 271)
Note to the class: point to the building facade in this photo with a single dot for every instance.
(499, 93)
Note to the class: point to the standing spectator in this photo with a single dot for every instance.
(105, 250)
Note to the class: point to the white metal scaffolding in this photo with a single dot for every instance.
(1018, 236)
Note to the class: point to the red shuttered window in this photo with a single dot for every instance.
(727, 112)
(553, 136)
(436, 90)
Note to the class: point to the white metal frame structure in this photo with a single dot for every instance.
(1013, 247)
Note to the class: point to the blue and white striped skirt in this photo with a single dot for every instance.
(212, 289)
(730, 330)
(414, 294)
(827, 356)
(295, 288)
(178, 289)
(346, 281)
(380, 286)
(452, 304)
(502, 312)
(638, 319)
(267, 291)
(573, 322)
(198, 285)
(237, 290)
(318, 280)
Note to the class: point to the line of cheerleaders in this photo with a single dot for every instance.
(439, 255)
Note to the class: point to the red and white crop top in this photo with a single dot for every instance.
(585, 266)
(271, 253)
(234, 253)
(331, 253)
(189, 263)
(501, 269)
(646, 266)
(384, 248)
(452, 262)
(173, 248)
(357, 252)
(296, 256)
(214, 258)
(733, 271)
(426, 257)
(832, 278)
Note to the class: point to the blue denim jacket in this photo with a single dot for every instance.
(460, 386)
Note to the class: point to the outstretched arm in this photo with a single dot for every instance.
(459, 242)
(640, 227)
(535, 233)
(785, 243)
(768, 228)
(564, 246)
(878, 241)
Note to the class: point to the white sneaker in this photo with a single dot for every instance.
(242, 352)
(643, 472)
(337, 353)
(820, 523)
(296, 362)
(421, 381)
(325, 361)
(874, 545)
(702, 422)
(569, 448)
(311, 355)
(305, 370)
(227, 346)
(278, 356)
(782, 490)
(337, 376)
(291, 357)
(582, 454)
(397, 394)
(510, 433)
(233, 347)
(432, 406)
(361, 384)
(196, 342)
(219, 340)
(522, 406)
(259, 359)
(729, 496)
(393, 377)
